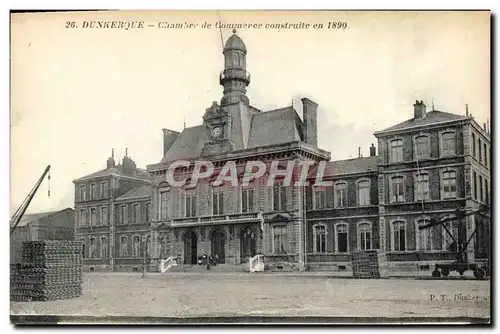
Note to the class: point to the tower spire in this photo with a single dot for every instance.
(234, 78)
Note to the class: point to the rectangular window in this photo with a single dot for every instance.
(421, 147)
(104, 248)
(396, 150)
(217, 201)
(82, 218)
(93, 192)
(319, 239)
(473, 145)
(480, 155)
(279, 197)
(319, 198)
(449, 185)
(481, 199)
(448, 144)
(365, 236)
(82, 193)
(190, 202)
(474, 184)
(136, 246)
(123, 247)
(363, 193)
(247, 200)
(280, 240)
(148, 213)
(341, 195)
(397, 189)
(424, 241)
(104, 189)
(398, 236)
(93, 217)
(342, 241)
(422, 187)
(93, 248)
(163, 205)
(104, 216)
(137, 214)
(124, 214)
(485, 152)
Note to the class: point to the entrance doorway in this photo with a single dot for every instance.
(218, 240)
(190, 248)
(247, 244)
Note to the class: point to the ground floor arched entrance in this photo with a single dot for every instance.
(190, 248)
(218, 241)
(248, 244)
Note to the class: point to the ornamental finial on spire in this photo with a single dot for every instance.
(234, 30)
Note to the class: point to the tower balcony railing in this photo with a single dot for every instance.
(229, 218)
(234, 73)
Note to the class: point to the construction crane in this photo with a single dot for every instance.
(18, 215)
(461, 264)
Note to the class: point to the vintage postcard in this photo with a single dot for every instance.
(250, 167)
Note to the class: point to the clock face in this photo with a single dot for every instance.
(216, 132)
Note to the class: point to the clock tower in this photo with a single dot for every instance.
(217, 121)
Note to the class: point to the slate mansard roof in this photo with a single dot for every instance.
(116, 171)
(431, 117)
(250, 129)
(139, 192)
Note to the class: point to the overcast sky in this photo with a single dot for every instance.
(78, 93)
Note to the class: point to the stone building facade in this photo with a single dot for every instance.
(425, 167)
(99, 198)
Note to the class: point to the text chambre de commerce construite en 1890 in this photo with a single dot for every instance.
(127, 25)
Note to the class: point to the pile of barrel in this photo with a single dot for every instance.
(368, 264)
(50, 269)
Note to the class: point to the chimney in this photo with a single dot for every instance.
(128, 165)
(310, 116)
(484, 127)
(359, 152)
(111, 160)
(169, 137)
(419, 109)
(373, 151)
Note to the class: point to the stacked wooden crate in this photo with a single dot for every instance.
(365, 264)
(49, 270)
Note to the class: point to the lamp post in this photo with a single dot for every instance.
(144, 256)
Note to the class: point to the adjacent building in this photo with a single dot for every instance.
(425, 167)
(110, 212)
(53, 225)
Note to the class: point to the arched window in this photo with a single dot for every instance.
(398, 231)
(424, 236)
(422, 147)
(341, 238)
(364, 235)
(396, 154)
(319, 238)
(341, 194)
(363, 192)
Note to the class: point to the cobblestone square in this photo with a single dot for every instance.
(241, 294)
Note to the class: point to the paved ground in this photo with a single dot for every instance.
(243, 294)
